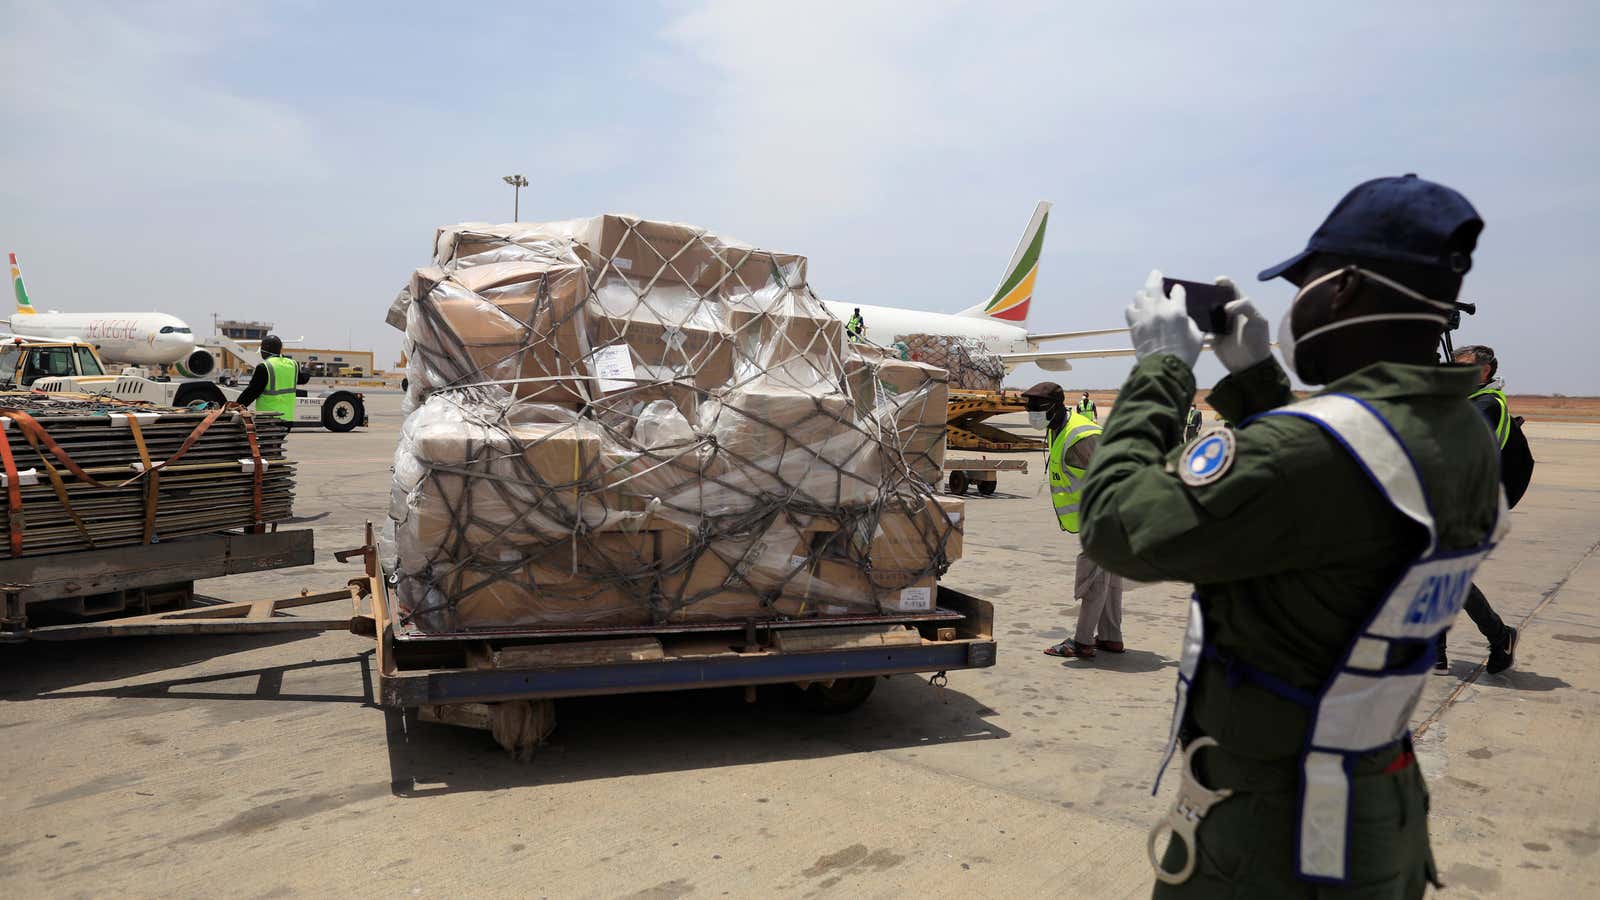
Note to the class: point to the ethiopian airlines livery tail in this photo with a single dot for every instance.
(1012, 298)
(1000, 323)
(136, 338)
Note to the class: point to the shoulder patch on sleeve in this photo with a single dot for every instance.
(1208, 457)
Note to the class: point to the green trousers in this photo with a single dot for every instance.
(1247, 846)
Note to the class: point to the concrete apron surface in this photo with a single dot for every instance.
(260, 767)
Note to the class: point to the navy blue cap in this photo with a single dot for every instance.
(1405, 219)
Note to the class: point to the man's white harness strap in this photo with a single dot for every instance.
(1367, 703)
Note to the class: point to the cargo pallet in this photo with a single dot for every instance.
(506, 681)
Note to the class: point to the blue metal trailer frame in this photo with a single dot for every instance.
(957, 634)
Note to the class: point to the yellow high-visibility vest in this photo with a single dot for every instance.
(1066, 482)
(282, 373)
(1502, 428)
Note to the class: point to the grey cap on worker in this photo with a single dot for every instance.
(1405, 219)
(1047, 391)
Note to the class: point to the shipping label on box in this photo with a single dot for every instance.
(913, 599)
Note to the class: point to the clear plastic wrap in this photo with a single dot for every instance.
(614, 421)
(970, 364)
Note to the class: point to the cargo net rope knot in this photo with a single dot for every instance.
(616, 421)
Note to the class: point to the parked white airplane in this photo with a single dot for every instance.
(1000, 323)
(134, 338)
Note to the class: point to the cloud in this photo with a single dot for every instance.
(786, 100)
(292, 159)
(133, 91)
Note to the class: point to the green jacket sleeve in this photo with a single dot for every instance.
(1257, 389)
(1142, 521)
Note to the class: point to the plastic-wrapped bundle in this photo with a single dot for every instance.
(970, 364)
(614, 421)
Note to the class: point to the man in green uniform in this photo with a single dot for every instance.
(855, 329)
(1322, 582)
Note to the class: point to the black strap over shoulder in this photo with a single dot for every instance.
(1516, 463)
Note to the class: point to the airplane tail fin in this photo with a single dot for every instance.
(24, 306)
(1012, 298)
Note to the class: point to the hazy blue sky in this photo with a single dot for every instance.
(289, 161)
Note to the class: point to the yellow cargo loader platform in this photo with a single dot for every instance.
(967, 430)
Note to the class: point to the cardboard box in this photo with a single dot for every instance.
(914, 401)
(605, 582)
(796, 351)
(675, 253)
(504, 484)
(734, 578)
(792, 444)
(480, 243)
(919, 596)
(506, 321)
(861, 363)
(700, 354)
(838, 587)
(950, 518)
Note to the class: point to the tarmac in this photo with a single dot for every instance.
(261, 767)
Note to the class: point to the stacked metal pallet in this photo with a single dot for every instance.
(103, 495)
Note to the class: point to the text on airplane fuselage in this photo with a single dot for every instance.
(111, 329)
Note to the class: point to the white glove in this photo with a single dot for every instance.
(1248, 340)
(1161, 324)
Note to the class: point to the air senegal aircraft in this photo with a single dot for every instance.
(1000, 323)
(134, 338)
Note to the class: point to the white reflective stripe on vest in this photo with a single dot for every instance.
(1325, 807)
(1193, 644)
(1434, 590)
(1365, 705)
(1368, 437)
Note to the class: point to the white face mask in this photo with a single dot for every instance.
(1287, 338)
(1038, 418)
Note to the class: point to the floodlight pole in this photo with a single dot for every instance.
(517, 182)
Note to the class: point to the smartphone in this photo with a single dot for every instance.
(1204, 301)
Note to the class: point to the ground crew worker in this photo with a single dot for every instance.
(1072, 440)
(1086, 408)
(856, 327)
(272, 384)
(1331, 541)
(1490, 399)
(1192, 423)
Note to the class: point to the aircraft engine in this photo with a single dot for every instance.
(197, 365)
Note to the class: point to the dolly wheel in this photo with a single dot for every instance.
(958, 482)
(342, 411)
(986, 487)
(840, 696)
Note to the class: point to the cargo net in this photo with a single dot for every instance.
(970, 364)
(614, 421)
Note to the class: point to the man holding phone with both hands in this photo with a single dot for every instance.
(1330, 542)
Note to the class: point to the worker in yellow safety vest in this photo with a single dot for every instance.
(1086, 407)
(272, 384)
(1072, 438)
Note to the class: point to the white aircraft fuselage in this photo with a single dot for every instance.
(885, 323)
(142, 339)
